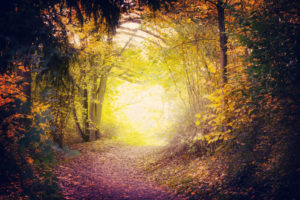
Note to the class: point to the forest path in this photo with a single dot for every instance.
(109, 171)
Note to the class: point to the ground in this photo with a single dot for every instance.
(110, 170)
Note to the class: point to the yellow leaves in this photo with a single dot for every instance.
(214, 105)
(216, 101)
(211, 68)
(199, 136)
(230, 123)
(189, 20)
(199, 118)
(39, 107)
(217, 135)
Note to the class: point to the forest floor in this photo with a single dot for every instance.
(110, 170)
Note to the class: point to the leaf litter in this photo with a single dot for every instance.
(110, 170)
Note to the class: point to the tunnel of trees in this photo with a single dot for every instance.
(212, 79)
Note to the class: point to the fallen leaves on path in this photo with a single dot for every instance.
(110, 171)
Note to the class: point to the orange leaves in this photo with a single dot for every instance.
(13, 125)
(4, 101)
(228, 108)
(39, 107)
(10, 92)
(10, 89)
(29, 160)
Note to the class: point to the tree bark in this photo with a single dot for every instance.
(102, 88)
(223, 39)
(92, 105)
(86, 109)
(100, 97)
(83, 136)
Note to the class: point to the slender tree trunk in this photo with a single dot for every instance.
(92, 128)
(83, 136)
(100, 97)
(223, 39)
(102, 88)
(85, 108)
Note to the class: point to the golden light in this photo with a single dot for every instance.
(145, 113)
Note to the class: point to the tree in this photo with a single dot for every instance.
(273, 38)
(32, 35)
(207, 10)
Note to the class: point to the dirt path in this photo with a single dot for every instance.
(110, 174)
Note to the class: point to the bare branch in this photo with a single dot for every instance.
(137, 20)
(145, 31)
(139, 36)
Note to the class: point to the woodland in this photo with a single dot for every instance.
(150, 99)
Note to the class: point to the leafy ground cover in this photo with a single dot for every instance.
(110, 170)
(196, 177)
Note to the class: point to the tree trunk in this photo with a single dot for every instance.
(100, 96)
(223, 39)
(92, 127)
(102, 88)
(85, 108)
(81, 132)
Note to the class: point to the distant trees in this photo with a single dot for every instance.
(90, 71)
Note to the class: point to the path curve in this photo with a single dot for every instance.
(112, 174)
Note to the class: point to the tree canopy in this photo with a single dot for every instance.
(215, 81)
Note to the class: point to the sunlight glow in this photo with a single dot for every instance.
(145, 111)
(130, 31)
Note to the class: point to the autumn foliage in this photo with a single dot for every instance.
(233, 66)
(251, 121)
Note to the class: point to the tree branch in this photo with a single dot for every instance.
(213, 3)
(189, 42)
(139, 36)
(146, 31)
